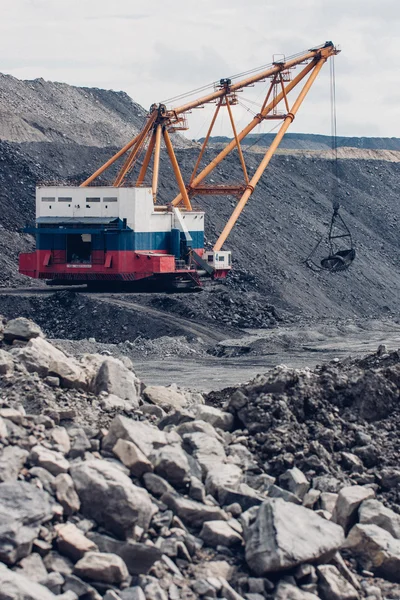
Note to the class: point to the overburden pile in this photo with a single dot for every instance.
(114, 490)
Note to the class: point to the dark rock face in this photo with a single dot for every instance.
(23, 508)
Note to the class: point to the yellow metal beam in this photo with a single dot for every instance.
(135, 150)
(252, 125)
(270, 152)
(109, 162)
(323, 52)
(146, 161)
(156, 165)
(177, 171)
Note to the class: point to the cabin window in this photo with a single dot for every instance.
(64, 199)
(92, 199)
(113, 199)
(48, 199)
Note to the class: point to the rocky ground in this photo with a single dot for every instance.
(285, 488)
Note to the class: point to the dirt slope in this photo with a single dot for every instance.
(40, 111)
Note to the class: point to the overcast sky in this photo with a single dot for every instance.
(157, 49)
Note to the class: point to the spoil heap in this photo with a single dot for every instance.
(111, 489)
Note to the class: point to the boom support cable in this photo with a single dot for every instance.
(338, 239)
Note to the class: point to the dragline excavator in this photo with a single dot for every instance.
(120, 233)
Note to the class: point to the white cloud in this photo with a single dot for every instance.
(163, 48)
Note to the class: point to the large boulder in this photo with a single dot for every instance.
(172, 464)
(333, 586)
(12, 459)
(377, 550)
(219, 533)
(285, 535)
(191, 512)
(21, 329)
(347, 503)
(166, 397)
(99, 566)
(146, 437)
(39, 356)
(15, 586)
(139, 558)
(115, 378)
(215, 417)
(373, 512)
(23, 508)
(109, 497)
(6, 363)
(288, 591)
(222, 476)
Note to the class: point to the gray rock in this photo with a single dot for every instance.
(80, 588)
(80, 442)
(146, 437)
(153, 591)
(47, 479)
(172, 464)
(288, 591)
(23, 508)
(332, 586)
(51, 460)
(215, 416)
(195, 426)
(6, 363)
(389, 478)
(70, 595)
(3, 430)
(132, 593)
(373, 512)
(72, 542)
(347, 503)
(244, 496)
(222, 476)
(311, 498)
(114, 378)
(376, 549)
(191, 512)
(60, 438)
(112, 403)
(32, 567)
(206, 449)
(274, 491)
(280, 537)
(165, 397)
(15, 415)
(21, 329)
(219, 533)
(295, 482)
(139, 558)
(156, 484)
(66, 493)
(133, 458)
(39, 356)
(59, 564)
(328, 501)
(53, 581)
(110, 498)
(197, 490)
(14, 586)
(12, 459)
(99, 566)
